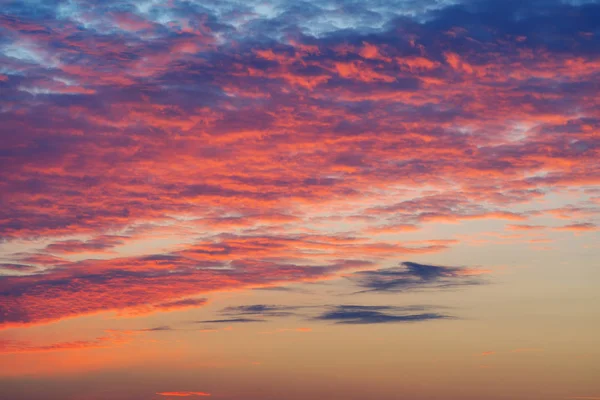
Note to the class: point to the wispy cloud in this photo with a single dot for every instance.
(363, 315)
(579, 227)
(230, 321)
(110, 339)
(265, 310)
(413, 276)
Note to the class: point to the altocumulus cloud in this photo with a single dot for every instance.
(117, 117)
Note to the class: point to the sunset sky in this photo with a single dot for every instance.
(300, 199)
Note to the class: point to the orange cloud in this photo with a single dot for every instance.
(112, 338)
(257, 158)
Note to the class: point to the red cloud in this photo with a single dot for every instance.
(237, 150)
(162, 282)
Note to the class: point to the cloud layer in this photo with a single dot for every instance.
(278, 143)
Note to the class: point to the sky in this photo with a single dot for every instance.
(300, 199)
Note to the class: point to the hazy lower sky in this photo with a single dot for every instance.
(292, 200)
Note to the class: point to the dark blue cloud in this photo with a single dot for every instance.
(230, 321)
(363, 315)
(413, 276)
(265, 310)
(163, 328)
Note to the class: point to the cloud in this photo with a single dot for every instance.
(415, 276)
(112, 338)
(99, 244)
(162, 282)
(22, 268)
(169, 306)
(251, 313)
(524, 227)
(264, 310)
(580, 227)
(163, 328)
(231, 320)
(231, 134)
(398, 87)
(342, 314)
(359, 315)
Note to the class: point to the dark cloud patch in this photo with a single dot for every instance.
(231, 321)
(265, 310)
(364, 315)
(99, 244)
(414, 276)
(184, 303)
(21, 268)
(340, 314)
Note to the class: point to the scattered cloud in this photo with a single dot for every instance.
(414, 276)
(163, 328)
(231, 321)
(140, 285)
(524, 227)
(110, 339)
(101, 244)
(233, 133)
(580, 227)
(264, 310)
(363, 315)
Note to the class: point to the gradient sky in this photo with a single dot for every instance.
(300, 199)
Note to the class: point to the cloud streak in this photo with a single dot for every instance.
(111, 339)
(365, 315)
(414, 276)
